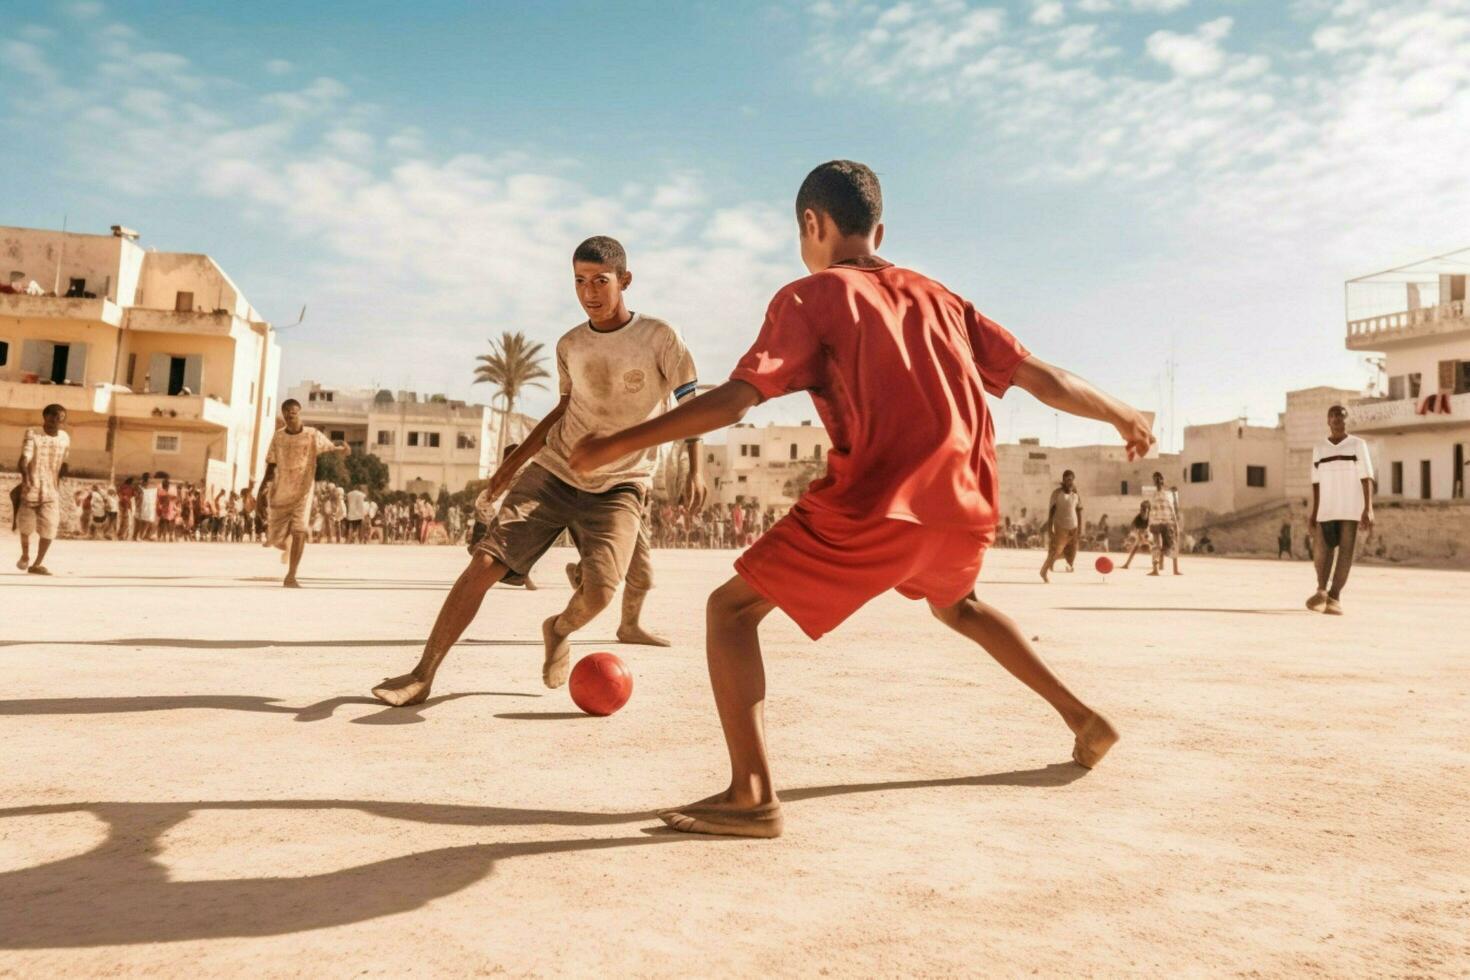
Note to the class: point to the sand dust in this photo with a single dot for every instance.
(196, 783)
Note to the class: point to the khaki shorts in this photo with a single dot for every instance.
(285, 520)
(539, 507)
(42, 519)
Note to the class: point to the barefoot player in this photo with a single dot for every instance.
(909, 501)
(1342, 504)
(290, 470)
(42, 468)
(615, 370)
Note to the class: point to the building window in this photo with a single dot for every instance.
(166, 442)
(1124, 491)
(1424, 475)
(1255, 476)
(4, 353)
(817, 451)
(755, 452)
(413, 438)
(76, 287)
(433, 438)
(1199, 472)
(744, 449)
(793, 450)
(338, 435)
(1415, 381)
(740, 479)
(1398, 479)
(183, 302)
(1396, 387)
(464, 441)
(385, 437)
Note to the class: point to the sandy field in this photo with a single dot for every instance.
(195, 782)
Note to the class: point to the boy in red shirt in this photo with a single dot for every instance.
(897, 366)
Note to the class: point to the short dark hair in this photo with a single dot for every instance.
(53, 410)
(510, 448)
(847, 192)
(604, 251)
(1335, 410)
(288, 403)
(1158, 475)
(1067, 473)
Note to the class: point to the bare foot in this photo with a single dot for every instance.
(24, 563)
(558, 655)
(717, 815)
(636, 634)
(39, 570)
(1178, 572)
(530, 584)
(1044, 578)
(1318, 600)
(291, 582)
(1094, 739)
(1154, 572)
(399, 692)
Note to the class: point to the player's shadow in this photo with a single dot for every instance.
(1183, 609)
(543, 715)
(319, 711)
(121, 891)
(192, 643)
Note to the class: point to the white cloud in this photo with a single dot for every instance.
(415, 255)
(278, 66)
(1191, 55)
(1158, 6)
(85, 9)
(1048, 12)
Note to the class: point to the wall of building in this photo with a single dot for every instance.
(1229, 448)
(1411, 449)
(100, 340)
(1423, 356)
(110, 265)
(166, 274)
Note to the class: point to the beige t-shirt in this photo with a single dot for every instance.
(41, 457)
(295, 459)
(616, 379)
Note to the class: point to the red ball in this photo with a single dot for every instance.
(601, 683)
(1104, 564)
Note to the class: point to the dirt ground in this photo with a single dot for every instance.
(195, 783)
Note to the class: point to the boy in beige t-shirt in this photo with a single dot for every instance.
(617, 368)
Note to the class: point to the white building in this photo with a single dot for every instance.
(159, 360)
(1230, 466)
(426, 442)
(1418, 421)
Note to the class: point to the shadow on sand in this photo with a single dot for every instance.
(319, 711)
(120, 893)
(1184, 609)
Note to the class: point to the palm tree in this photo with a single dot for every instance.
(514, 364)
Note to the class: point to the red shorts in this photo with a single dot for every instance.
(819, 568)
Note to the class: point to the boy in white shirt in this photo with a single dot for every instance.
(1342, 501)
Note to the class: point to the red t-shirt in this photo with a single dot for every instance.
(898, 367)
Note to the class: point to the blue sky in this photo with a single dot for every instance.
(1112, 179)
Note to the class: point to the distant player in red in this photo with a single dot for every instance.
(898, 367)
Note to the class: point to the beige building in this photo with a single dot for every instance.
(769, 465)
(1230, 466)
(159, 360)
(1418, 422)
(427, 442)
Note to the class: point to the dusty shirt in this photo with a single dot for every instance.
(616, 379)
(295, 459)
(1064, 509)
(41, 457)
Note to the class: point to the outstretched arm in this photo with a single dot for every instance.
(715, 409)
(529, 447)
(1061, 389)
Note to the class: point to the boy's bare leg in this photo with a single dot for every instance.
(25, 553)
(592, 597)
(636, 587)
(298, 547)
(749, 807)
(998, 634)
(455, 616)
(1052, 551)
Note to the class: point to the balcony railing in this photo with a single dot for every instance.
(1395, 414)
(27, 397)
(91, 309)
(1426, 321)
